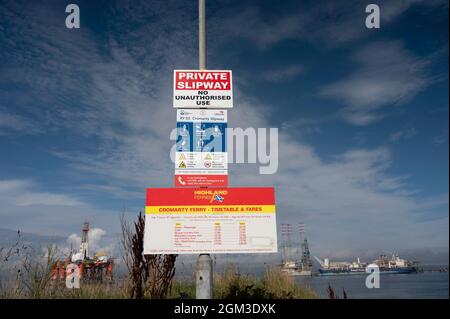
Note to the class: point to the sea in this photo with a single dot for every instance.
(424, 285)
(429, 284)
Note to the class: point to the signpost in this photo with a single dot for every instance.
(219, 220)
(201, 215)
(201, 156)
(202, 89)
(204, 271)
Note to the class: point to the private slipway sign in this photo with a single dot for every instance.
(202, 89)
(201, 158)
(199, 220)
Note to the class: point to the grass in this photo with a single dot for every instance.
(229, 284)
(182, 289)
(26, 273)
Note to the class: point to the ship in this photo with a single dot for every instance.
(394, 265)
(329, 268)
(290, 264)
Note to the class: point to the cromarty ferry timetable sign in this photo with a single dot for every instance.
(220, 220)
(202, 89)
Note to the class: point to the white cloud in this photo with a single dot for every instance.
(262, 31)
(26, 207)
(7, 186)
(22, 193)
(330, 22)
(74, 241)
(387, 75)
(12, 123)
(404, 134)
(440, 139)
(350, 196)
(46, 199)
(95, 236)
(98, 242)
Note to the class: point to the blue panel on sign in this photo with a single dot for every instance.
(209, 137)
(184, 137)
(201, 137)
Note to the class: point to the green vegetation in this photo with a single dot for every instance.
(230, 284)
(26, 272)
(31, 278)
(274, 284)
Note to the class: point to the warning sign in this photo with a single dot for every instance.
(222, 220)
(201, 158)
(202, 89)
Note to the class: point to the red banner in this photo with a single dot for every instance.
(216, 196)
(202, 80)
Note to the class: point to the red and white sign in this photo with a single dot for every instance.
(201, 180)
(202, 89)
(221, 220)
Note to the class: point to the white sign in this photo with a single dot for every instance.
(202, 89)
(199, 220)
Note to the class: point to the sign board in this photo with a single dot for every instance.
(223, 220)
(201, 157)
(202, 89)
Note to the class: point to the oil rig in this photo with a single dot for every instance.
(290, 264)
(98, 268)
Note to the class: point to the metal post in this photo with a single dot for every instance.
(201, 35)
(204, 270)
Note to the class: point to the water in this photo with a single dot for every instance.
(404, 286)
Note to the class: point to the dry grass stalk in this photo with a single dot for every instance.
(150, 275)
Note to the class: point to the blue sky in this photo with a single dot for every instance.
(85, 115)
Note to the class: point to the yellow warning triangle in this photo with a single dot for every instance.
(208, 157)
(182, 157)
(182, 165)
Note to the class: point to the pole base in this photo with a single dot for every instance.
(204, 277)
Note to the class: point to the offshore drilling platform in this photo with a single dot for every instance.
(98, 268)
(290, 264)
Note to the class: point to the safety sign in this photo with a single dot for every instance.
(221, 220)
(201, 157)
(202, 89)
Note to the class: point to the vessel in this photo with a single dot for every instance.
(395, 265)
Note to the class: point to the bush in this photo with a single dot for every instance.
(274, 284)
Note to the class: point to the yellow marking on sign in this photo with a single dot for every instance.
(207, 209)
